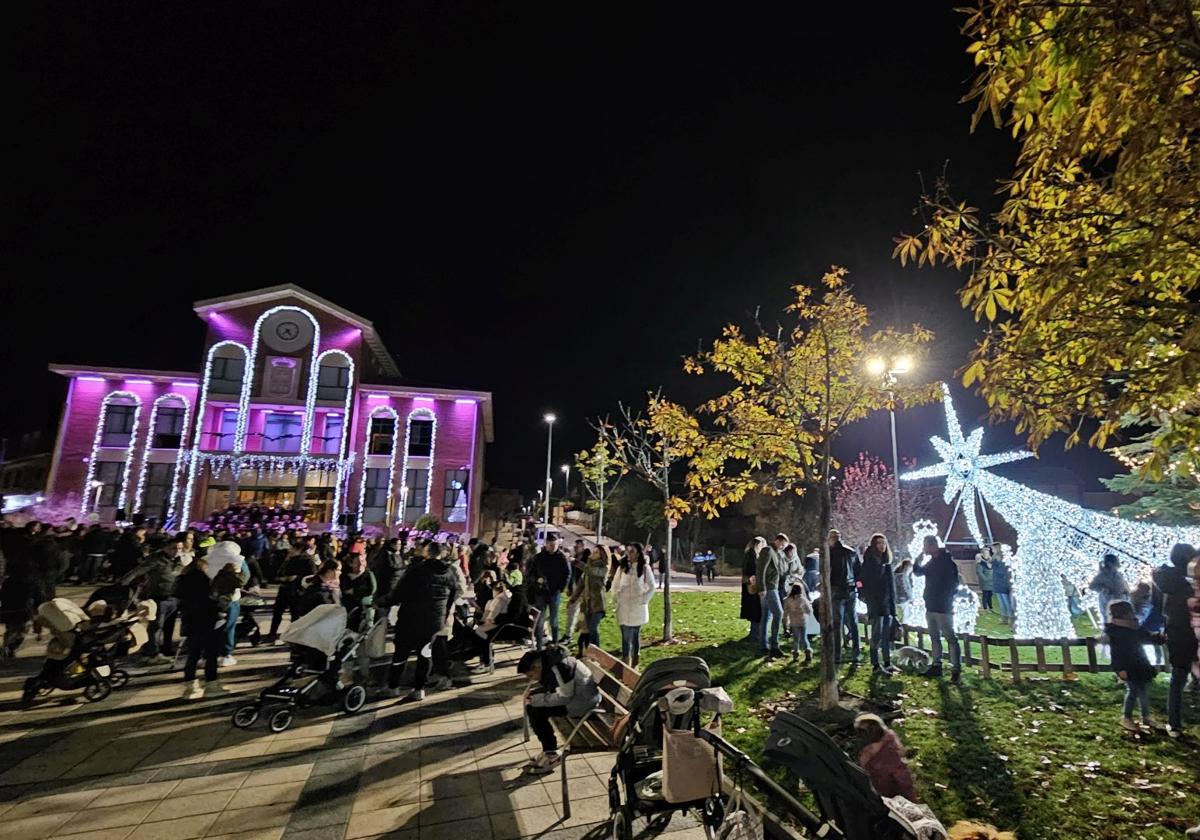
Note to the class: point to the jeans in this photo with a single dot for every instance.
(1006, 604)
(631, 641)
(942, 624)
(230, 628)
(161, 628)
(800, 640)
(207, 645)
(986, 598)
(1136, 691)
(881, 639)
(90, 567)
(549, 609)
(772, 608)
(1179, 678)
(593, 628)
(844, 616)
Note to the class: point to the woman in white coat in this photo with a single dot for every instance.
(633, 587)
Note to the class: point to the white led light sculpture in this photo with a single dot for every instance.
(1054, 537)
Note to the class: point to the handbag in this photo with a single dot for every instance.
(752, 585)
(690, 765)
(741, 822)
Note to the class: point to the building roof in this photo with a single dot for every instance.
(291, 290)
(124, 373)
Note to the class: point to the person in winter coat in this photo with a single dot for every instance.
(299, 566)
(18, 587)
(589, 596)
(878, 590)
(131, 550)
(95, 549)
(984, 574)
(904, 583)
(199, 614)
(1127, 640)
(812, 571)
(559, 686)
(1002, 585)
(358, 591)
(769, 571)
(50, 559)
(388, 567)
(882, 757)
(427, 593)
(632, 588)
(549, 574)
(227, 553)
(1109, 584)
(797, 607)
(751, 601)
(843, 585)
(322, 587)
(1172, 582)
(155, 580)
(941, 583)
(506, 617)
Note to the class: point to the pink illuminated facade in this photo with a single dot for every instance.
(281, 412)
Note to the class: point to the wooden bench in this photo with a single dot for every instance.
(601, 729)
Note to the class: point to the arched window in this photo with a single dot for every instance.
(157, 479)
(116, 428)
(222, 350)
(379, 468)
(420, 441)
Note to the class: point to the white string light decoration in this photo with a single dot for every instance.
(146, 447)
(386, 411)
(96, 445)
(194, 459)
(341, 452)
(239, 438)
(1054, 538)
(421, 414)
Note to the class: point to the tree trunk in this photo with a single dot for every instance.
(668, 624)
(830, 641)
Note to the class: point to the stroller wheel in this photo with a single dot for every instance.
(97, 690)
(621, 825)
(280, 719)
(245, 716)
(354, 699)
(119, 678)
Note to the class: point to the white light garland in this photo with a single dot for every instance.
(1054, 538)
(146, 447)
(421, 413)
(96, 440)
(341, 453)
(388, 411)
(194, 459)
(239, 438)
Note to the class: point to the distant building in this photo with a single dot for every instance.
(297, 403)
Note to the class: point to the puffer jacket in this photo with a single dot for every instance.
(426, 595)
(631, 595)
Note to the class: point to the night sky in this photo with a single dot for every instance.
(547, 203)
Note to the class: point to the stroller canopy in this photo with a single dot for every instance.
(321, 629)
(61, 615)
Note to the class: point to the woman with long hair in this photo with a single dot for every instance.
(751, 602)
(589, 594)
(878, 592)
(632, 588)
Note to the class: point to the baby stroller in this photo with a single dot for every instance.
(83, 650)
(661, 765)
(323, 647)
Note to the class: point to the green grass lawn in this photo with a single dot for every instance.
(1043, 757)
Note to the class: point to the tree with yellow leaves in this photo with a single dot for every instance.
(1089, 273)
(790, 394)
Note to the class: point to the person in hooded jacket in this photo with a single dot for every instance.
(155, 580)
(941, 583)
(388, 567)
(358, 591)
(588, 595)
(559, 686)
(426, 593)
(1127, 641)
(878, 592)
(204, 640)
(1109, 584)
(299, 566)
(1172, 582)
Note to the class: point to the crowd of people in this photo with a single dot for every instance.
(781, 592)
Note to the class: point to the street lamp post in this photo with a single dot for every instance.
(97, 487)
(549, 418)
(566, 470)
(878, 366)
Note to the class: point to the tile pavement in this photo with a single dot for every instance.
(146, 765)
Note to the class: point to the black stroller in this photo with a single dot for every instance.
(323, 647)
(843, 792)
(82, 652)
(660, 701)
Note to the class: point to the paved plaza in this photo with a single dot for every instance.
(146, 765)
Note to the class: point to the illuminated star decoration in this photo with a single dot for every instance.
(1056, 539)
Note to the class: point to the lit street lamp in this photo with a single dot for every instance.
(566, 469)
(549, 418)
(889, 370)
(97, 486)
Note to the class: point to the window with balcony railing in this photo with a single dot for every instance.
(381, 435)
(118, 424)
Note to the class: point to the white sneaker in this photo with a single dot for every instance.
(215, 689)
(1172, 732)
(193, 691)
(414, 696)
(158, 659)
(545, 763)
(228, 660)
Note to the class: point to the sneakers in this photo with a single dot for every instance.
(441, 684)
(476, 670)
(414, 696)
(227, 660)
(544, 764)
(1172, 732)
(157, 659)
(193, 691)
(215, 689)
(389, 692)
(1129, 726)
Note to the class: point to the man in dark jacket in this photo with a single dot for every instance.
(549, 574)
(299, 565)
(426, 593)
(199, 612)
(130, 551)
(941, 582)
(388, 567)
(154, 579)
(1172, 582)
(95, 549)
(843, 584)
